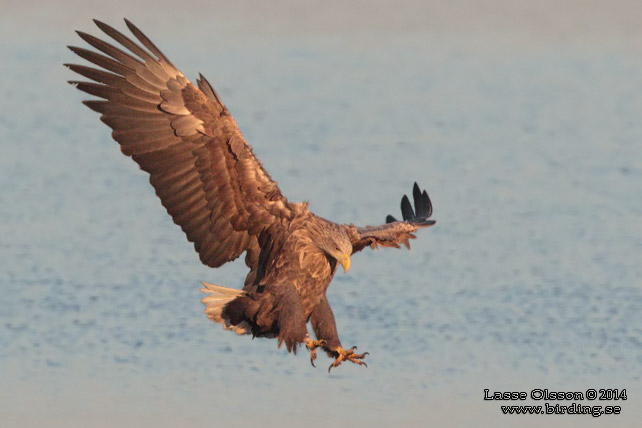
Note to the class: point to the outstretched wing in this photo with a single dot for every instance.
(204, 172)
(395, 232)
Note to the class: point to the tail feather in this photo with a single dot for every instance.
(216, 300)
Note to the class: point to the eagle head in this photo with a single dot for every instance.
(335, 243)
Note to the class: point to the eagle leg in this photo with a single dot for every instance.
(347, 355)
(312, 345)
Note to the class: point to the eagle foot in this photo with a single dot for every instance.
(312, 345)
(348, 355)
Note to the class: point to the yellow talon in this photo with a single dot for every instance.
(312, 345)
(348, 355)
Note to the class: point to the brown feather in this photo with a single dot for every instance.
(209, 184)
(216, 190)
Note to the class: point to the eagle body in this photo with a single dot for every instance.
(213, 186)
(298, 273)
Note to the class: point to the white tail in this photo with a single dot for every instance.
(216, 300)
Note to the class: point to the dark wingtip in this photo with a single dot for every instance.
(422, 207)
(95, 105)
(406, 209)
(427, 204)
(131, 26)
(104, 27)
(390, 219)
(416, 197)
(86, 36)
(134, 29)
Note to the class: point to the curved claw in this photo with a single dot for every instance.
(348, 355)
(312, 345)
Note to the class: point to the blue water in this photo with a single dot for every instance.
(531, 278)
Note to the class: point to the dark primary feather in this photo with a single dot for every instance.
(406, 209)
(423, 207)
(204, 172)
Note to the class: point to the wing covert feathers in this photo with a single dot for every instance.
(201, 167)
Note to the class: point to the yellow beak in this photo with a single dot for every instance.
(344, 259)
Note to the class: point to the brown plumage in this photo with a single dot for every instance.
(217, 191)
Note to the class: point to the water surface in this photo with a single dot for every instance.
(531, 279)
